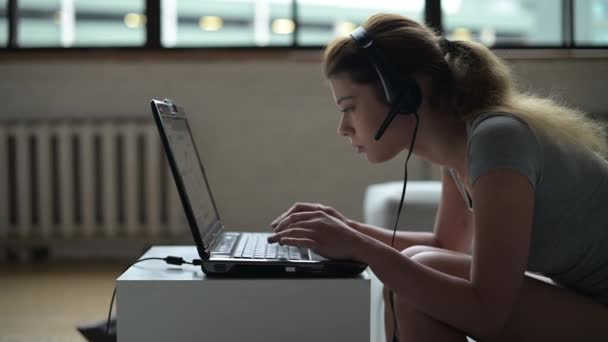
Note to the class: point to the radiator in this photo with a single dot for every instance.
(75, 180)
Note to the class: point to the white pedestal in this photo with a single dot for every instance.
(160, 302)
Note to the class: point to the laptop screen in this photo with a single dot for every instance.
(193, 178)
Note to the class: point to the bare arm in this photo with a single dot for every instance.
(481, 305)
(403, 239)
(453, 224)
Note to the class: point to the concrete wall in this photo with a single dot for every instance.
(266, 128)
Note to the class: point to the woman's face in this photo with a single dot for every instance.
(362, 114)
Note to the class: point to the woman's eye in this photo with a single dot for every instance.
(347, 110)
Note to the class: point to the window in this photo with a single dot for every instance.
(3, 23)
(295, 23)
(269, 22)
(591, 22)
(110, 23)
(504, 22)
(38, 23)
(67, 23)
(191, 23)
(321, 20)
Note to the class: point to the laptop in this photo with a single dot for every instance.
(227, 253)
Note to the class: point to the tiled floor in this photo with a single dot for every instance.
(45, 302)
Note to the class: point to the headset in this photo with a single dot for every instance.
(401, 91)
(403, 95)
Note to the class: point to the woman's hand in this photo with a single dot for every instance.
(301, 207)
(324, 234)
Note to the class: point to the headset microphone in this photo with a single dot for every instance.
(392, 113)
(387, 121)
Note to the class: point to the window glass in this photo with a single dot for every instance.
(511, 22)
(67, 23)
(322, 20)
(591, 22)
(219, 23)
(3, 23)
(251, 23)
(38, 23)
(110, 23)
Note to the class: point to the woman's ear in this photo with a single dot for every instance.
(425, 84)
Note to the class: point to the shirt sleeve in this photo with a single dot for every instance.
(501, 141)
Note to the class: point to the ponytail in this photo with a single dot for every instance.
(480, 79)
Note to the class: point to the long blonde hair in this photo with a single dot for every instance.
(467, 79)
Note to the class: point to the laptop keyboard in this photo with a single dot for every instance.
(256, 246)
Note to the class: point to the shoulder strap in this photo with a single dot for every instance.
(461, 188)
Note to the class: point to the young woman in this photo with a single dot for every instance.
(525, 184)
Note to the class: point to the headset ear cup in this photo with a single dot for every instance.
(413, 96)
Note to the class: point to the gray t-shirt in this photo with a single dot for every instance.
(569, 241)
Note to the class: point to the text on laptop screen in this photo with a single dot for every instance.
(193, 178)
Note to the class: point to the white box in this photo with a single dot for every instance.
(160, 302)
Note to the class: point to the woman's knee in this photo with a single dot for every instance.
(430, 259)
(455, 264)
(422, 255)
(408, 252)
(458, 265)
(417, 249)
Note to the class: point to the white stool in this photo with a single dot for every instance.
(419, 207)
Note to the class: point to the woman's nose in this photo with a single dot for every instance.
(344, 127)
